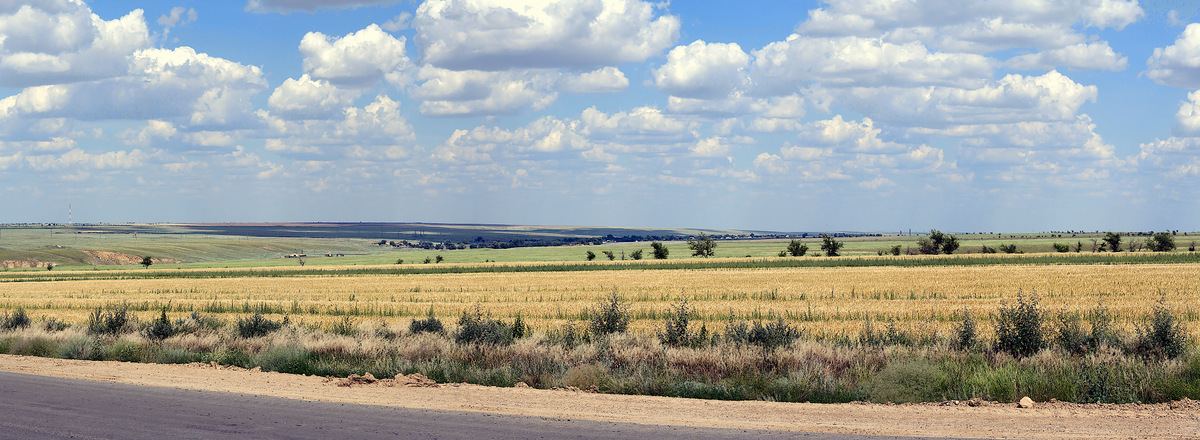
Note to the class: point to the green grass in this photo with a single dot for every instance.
(749, 263)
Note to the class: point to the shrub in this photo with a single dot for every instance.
(1009, 248)
(636, 255)
(895, 250)
(830, 246)
(519, 329)
(675, 330)
(285, 359)
(1059, 247)
(892, 335)
(474, 327)
(429, 324)
(204, 321)
(910, 381)
(54, 325)
(610, 255)
(161, 328)
(1019, 327)
(256, 326)
(112, 321)
(769, 336)
(703, 246)
(18, 319)
(39, 346)
(1163, 337)
(591, 255)
(965, 334)
(660, 251)
(609, 316)
(1161, 242)
(345, 326)
(1070, 335)
(1113, 241)
(797, 249)
(987, 250)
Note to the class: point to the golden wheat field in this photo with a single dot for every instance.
(820, 300)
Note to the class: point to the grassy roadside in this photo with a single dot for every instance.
(1076, 360)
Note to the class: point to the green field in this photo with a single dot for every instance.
(220, 246)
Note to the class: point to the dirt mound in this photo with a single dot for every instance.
(412, 380)
(104, 258)
(23, 264)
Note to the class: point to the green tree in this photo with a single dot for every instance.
(636, 255)
(703, 246)
(797, 249)
(937, 243)
(610, 255)
(1161, 242)
(591, 255)
(830, 246)
(1113, 240)
(895, 250)
(1059, 247)
(147, 261)
(660, 251)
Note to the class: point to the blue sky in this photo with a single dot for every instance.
(874, 115)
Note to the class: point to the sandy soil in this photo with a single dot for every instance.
(1052, 420)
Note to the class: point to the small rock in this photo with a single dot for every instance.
(974, 402)
(521, 385)
(1025, 402)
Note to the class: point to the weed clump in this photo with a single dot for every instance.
(161, 328)
(18, 319)
(675, 330)
(769, 336)
(473, 326)
(113, 321)
(1163, 337)
(428, 324)
(1019, 327)
(610, 316)
(965, 335)
(257, 326)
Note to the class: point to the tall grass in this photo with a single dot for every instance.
(765, 361)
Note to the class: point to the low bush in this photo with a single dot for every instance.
(965, 335)
(257, 326)
(609, 316)
(912, 380)
(675, 329)
(115, 320)
(161, 328)
(344, 326)
(1019, 327)
(429, 324)
(770, 336)
(1162, 337)
(17, 320)
(36, 346)
(474, 327)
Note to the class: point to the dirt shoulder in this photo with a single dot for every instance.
(1177, 420)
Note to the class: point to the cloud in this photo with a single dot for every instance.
(397, 23)
(286, 6)
(1188, 116)
(1176, 65)
(177, 17)
(376, 131)
(1052, 96)
(306, 98)
(703, 70)
(604, 80)
(359, 59)
(1090, 56)
(783, 67)
(43, 45)
(472, 92)
(194, 88)
(493, 35)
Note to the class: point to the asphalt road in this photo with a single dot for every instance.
(35, 407)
